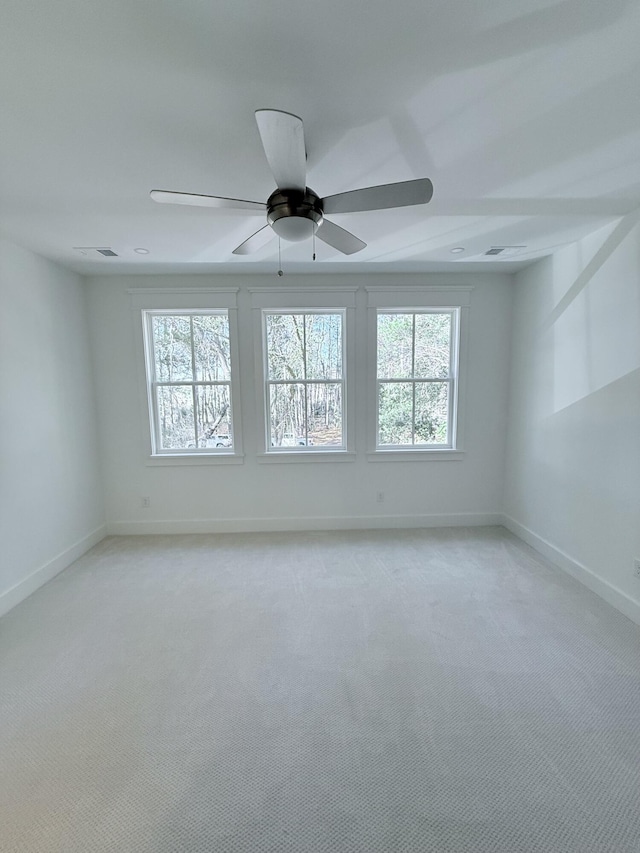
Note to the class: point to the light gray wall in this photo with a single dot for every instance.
(51, 503)
(573, 460)
(572, 455)
(271, 496)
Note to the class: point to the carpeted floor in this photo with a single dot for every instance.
(434, 690)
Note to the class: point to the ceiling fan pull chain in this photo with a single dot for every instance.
(313, 234)
(280, 272)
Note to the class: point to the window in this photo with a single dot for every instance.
(416, 374)
(189, 382)
(304, 366)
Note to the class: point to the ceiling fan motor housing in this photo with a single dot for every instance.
(294, 215)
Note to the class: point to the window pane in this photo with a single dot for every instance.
(324, 414)
(324, 346)
(395, 413)
(172, 348)
(175, 416)
(395, 346)
(211, 347)
(432, 412)
(285, 346)
(214, 416)
(433, 345)
(287, 415)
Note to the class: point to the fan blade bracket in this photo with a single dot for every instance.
(282, 136)
(383, 197)
(212, 201)
(339, 238)
(256, 241)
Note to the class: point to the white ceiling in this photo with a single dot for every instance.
(524, 113)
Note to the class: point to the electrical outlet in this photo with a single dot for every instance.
(145, 502)
(380, 497)
(636, 568)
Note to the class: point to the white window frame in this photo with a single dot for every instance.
(416, 300)
(270, 312)
(149, 302)
(288, 300)
(451, 380)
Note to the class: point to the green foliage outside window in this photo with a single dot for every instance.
(414, 370)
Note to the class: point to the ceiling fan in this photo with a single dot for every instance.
(294, 211)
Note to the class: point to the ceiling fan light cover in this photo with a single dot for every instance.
(295, 228)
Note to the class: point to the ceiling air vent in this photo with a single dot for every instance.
(105, 251)
(504, 250)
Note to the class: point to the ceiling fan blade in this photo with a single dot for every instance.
(282, 137)
(401, 194)
(255, 242)
(339, 238)
(168, 197)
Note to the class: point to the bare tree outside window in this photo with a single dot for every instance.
(305, 379)
(191, 381)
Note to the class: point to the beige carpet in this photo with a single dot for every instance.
(438, 690)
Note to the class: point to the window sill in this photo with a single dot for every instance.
(307, 456)
(446, 455)
(174, 459)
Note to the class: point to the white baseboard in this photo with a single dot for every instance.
(610, 593)
(15, 594)
(263, 525)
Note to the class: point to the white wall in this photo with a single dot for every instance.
(296, 495)
(51, 503)
(572, 455)
(572, 484)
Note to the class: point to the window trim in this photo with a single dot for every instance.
(308, 448)
(270, 450)
(153, 383)
(185, 301)
(451, 380)
(321, 300)
(453, 298)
